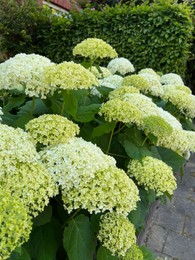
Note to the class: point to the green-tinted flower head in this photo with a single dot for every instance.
(51, 129)
(167, 88)
(121, 91)
(89, 179)
(24, 72)
(113, 81)
(170, 119)
(121, 66)
(171, 79)
(154, 174)
(94, 48)
(182, 100)
(136, 81)
(134, 253)
(15, 224)
(17, 144)
(116, 233)
(120, 111)
(69, 75)
(100, 72)
(31, 182)
(157, 126)
(150, 71)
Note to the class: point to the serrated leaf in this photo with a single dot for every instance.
(104, 254)
(45, 241)
(79, 240)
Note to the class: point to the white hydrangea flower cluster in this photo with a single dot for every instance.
(122, 111)
(182, 100)
(121, 91)
(150, 71)
(89, 179)
(100, 72)
(121, 66)
(167, 88)
(136, 81)
(116, 233)
(24, 72)
(171, 79)
(51, 129)
(113, 81)
(155, 88)
(154, 174)
(15, 224)
(69, 75)
(94, 48)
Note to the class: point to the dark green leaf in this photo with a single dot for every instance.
(87, 113)
(104, 254)
(104, 90)
(105, 127)
(134, 151)
(43, 217)
(19, 253)
(147, 253)
(13, 103)
(79, 240)
(22, 120)
(39, 108)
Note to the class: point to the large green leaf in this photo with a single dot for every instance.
(137, 216)
(87, 113)
(43, 217)
(104, 254)
(22, 120)
(20, 253)
(79, 240)
(147, 253)
(104, 128)
(38, 108)
(13, 103)
(45, 241)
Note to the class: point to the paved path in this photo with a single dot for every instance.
(170, 231)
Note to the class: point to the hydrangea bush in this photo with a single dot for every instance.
(84, 151)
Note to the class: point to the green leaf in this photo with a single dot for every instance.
(134, 151)
(45, 241)
(22, 120)
(105, 127)
(79, 240)
(147, 253)
(19, 253)
(13, 103)
(39, 108)
(137, 217)
(105, 254)
(104, 90)
(43, 217)
(87, 113)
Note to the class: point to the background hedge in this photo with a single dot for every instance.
(156, 35)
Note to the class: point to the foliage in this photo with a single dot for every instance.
(77, 190)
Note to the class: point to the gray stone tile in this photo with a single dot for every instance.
(185, 206)
(179, 246)
(156, 238)
(170, 219)
(189, 229)
(163, 256)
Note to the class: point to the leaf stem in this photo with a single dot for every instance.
(33, 105)
(110, 140)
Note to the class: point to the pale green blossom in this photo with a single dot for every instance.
(171, 79)
(121, 66)
(154, 174)
(94, 48)
(51, 129)
(150, 71)
(176, 87)
(170, 119)
(31, 182)
(136, 81)
(69, 75)
(155, 88)
(182, 100)
(121, 91)
(15, 224)
(116, 233)
(119, 110)
(25, 73)
(100, 72)
(134, 253)
(113, 81)
(89, 179)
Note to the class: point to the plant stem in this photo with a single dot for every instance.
(33, 105)
(144, 141)
(110, 140)
(120, 129)
(62, 110)
(118, 155)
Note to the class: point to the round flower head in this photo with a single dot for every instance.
(113, 81)
(122, 111)
(24, 72)
(171, 79)
(171, 120)
(155, 88)
(17, 144)
(121, 91)
(31, 183)
(100, 72)
(154, 174)
(15, 225)
(190, 135)
(182, 100)
(150, 71)
(116, 233)
(134, 253)
(51, 129)
(157, 126)
(167, 88)
(136, 81)
(121, 66)
(94, 48)
(69, 75)
(89, 179)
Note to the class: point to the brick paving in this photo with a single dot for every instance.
(170, 231)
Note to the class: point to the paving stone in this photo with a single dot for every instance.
(164, 256)
(189, 229)
(185, 206)
(170, 218)
(179, 246)
(156, 238)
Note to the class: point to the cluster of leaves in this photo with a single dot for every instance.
(153, 35)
